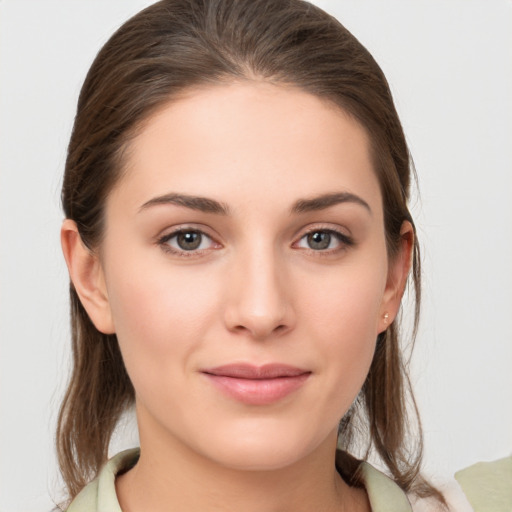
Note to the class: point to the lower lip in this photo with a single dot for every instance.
(258, 391)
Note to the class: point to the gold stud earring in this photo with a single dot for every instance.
(386, 318)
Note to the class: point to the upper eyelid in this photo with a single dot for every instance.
(323, 228)
(169, 232)
(320, 226)
(341, 236)
(166, 237)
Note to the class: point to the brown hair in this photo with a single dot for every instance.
(176, 44)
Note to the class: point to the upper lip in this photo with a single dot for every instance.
(248, 371)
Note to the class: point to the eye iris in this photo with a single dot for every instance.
(319, 240)
(189, 240)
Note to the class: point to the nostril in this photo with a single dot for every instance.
(259, 331)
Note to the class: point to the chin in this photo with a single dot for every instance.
(261, 459)
(264, 449)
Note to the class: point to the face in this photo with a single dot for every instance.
(245, 272)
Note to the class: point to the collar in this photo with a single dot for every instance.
(100, 495)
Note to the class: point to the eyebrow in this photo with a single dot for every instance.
(207, 205)
(202, 204)
(326, 201)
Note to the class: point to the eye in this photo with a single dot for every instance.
(186, 240)
(324, 240)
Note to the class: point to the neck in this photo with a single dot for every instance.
(169, 476)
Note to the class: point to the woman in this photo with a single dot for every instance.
(238, 241)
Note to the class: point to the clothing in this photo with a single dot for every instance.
(100, 494)
(480, 482)
(488, 485)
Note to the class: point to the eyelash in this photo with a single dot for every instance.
(344, 240)
(163, 242)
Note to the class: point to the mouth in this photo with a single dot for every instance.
(257, 385)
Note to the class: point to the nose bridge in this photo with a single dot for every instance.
(259, 302)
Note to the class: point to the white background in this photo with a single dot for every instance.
(449, 64)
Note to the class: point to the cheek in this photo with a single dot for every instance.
(343, 318)
(160, 313)
(346, 302)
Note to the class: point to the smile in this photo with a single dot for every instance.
(257, 385)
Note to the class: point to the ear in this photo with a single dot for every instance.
(398, 273)
(86, 274)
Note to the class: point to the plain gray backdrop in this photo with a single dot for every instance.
(449, 64)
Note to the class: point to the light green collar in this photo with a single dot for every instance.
(384, 494)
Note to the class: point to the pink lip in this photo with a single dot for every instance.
(257, 385)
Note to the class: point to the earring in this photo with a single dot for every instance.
(386, 318)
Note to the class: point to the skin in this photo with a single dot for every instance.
(255, 291)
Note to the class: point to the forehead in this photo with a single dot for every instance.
(242, 140)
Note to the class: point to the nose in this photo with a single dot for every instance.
(259, 302)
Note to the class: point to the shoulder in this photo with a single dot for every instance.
(86, 500)
(482, 487)
(455, 498)
(100, 494)
(386, 496)
(488, 485)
